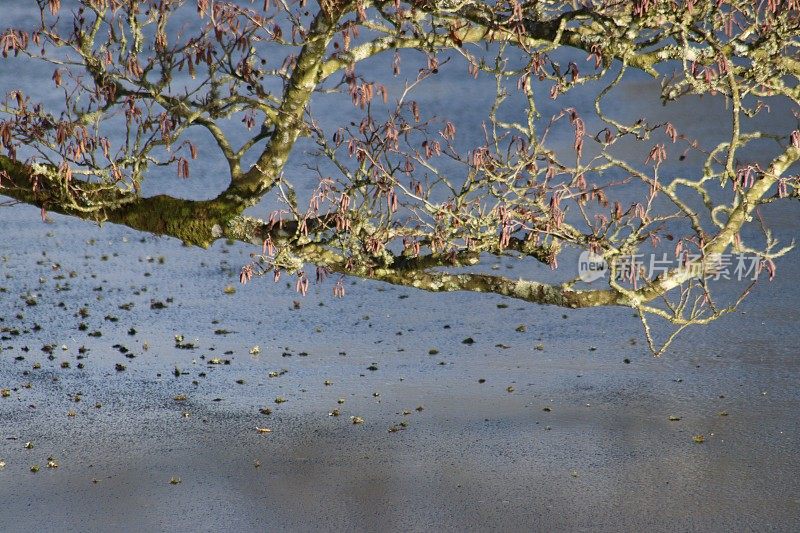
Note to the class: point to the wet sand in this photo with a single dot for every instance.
(581, 441)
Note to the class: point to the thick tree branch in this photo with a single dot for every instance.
(289, 125)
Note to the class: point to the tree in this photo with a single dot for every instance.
(398, 197)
